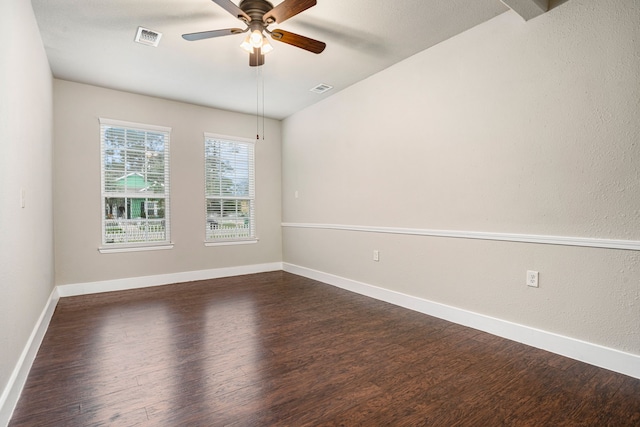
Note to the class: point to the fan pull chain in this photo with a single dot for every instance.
(259, 92)
(257, 103)
(263, 130)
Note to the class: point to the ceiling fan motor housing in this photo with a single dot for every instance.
(256, 9)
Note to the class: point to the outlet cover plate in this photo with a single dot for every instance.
(532, 278)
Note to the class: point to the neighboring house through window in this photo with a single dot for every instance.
(135, 184)
(229, 189)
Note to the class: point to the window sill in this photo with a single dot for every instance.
(118, 249)
(232, 242)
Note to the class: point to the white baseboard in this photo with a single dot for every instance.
(76, 289)
(11, 393)
(593, 354)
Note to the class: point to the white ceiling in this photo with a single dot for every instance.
(91, 41)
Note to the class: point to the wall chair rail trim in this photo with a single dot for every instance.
(632, 245)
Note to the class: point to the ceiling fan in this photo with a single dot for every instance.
(258, 15)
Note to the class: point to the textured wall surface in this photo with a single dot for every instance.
(77, 203)
(511, 127)
(26, 234)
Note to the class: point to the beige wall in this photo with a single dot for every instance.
(77, 203)
(26, 234)
(511, 127)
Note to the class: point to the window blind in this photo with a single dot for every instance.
(135, 183)
(229, 189)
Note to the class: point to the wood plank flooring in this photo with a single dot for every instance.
(275, 349)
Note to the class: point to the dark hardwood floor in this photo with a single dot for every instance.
(276, 349)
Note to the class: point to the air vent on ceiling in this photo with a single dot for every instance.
(321, 88)
(148, 37)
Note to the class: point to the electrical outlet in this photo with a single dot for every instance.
(532, 278)
(376, 255)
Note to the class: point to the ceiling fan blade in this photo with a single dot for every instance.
(256, 58)
(297, 40)
(231, 7)
(286, 10)
(211, 34)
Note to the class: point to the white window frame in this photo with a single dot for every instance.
(215, 225)
(142, 233)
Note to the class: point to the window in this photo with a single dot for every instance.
(135, 184)
(229, 189)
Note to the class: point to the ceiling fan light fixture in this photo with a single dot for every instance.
(256, 38)
(250, 42)
(266, 46)
(246, 44)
